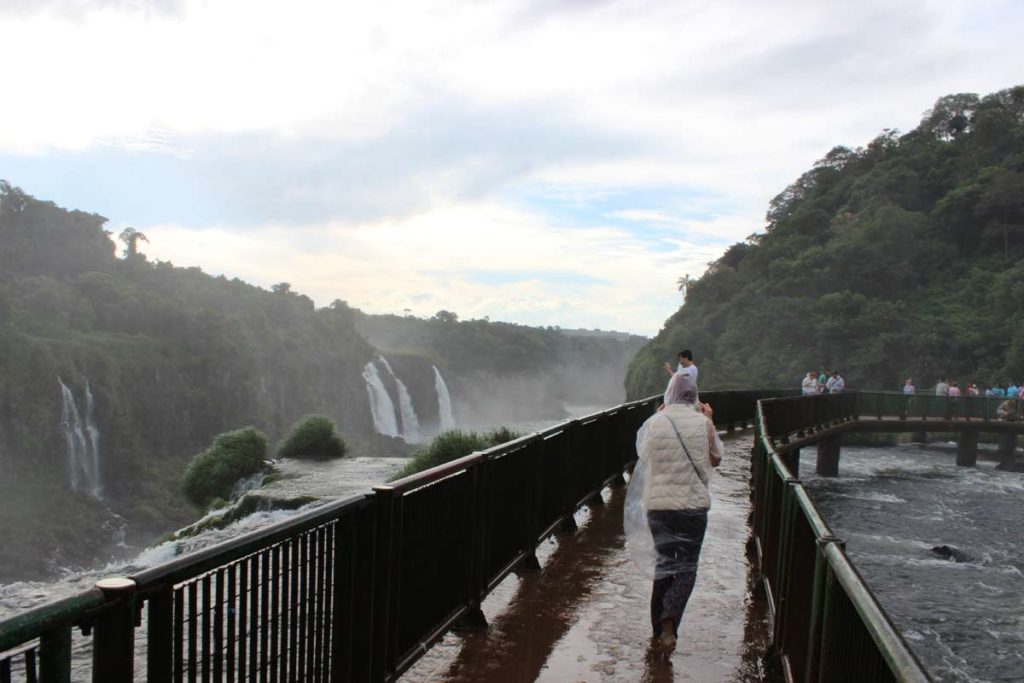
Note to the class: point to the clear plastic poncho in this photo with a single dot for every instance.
(639, 537)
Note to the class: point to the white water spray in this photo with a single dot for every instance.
(410, 423)
(381, 407)
(444, 402)
(83, 442)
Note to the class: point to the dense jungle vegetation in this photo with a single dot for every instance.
(903, 258)
(174, 357)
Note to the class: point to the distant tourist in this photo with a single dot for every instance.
(835, 383)
(998, 391)
(1011, 391)
(973, 390)
(1008, 411)
(686, 365)
(908, 387)
(667, 503)
(823, 379)
(809, 387)
(954, 390)
(942, 388)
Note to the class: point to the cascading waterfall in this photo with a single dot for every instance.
(444, 402)
(381, 407)
(83, 442)
(410, 423)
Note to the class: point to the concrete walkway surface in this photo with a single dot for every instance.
(585, 616)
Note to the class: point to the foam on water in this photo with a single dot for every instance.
(964, 620)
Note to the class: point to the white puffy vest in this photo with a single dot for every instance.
(671, 481)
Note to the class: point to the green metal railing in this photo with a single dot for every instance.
(932, 407)
(354, 590)
(827, 624)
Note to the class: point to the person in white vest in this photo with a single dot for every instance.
(668, 500)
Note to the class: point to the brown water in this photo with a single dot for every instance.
(585, 617)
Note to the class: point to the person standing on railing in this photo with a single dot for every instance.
(809, 386)
(666, 512)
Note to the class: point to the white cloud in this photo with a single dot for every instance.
(432, 261)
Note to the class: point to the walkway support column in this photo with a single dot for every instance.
(1007, 446)
(967, 448)
(828, 456)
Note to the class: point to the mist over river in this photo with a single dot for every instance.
(963, 618)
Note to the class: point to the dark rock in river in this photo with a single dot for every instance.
(947, 552)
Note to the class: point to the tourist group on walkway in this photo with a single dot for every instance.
(824, 381)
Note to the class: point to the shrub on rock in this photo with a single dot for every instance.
(232, 456)
(312, 437)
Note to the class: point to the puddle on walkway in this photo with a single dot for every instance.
(585, 617)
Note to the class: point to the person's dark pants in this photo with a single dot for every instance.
(678, 535)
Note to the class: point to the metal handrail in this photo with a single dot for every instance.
(778, 547)
(890, 643)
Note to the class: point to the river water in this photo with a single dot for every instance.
(964, 619)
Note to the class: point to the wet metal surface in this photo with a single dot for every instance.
(585, 617)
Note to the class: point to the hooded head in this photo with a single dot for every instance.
(681, 389)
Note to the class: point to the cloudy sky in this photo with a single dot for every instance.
(553, 162)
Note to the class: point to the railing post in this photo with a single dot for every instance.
(386, 583)
(55, 656)
(568, 507)
(474, 618)
(159, 639)
(814, 630)
(113, 647)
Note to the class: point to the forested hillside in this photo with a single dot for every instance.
(903, 258)
(152, 361)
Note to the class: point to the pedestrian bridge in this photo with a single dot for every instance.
(359, 589)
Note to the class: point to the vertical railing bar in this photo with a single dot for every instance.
(318, 621)
(244, 596)
(286, 600)
(233, 600)
(275, 597)
(179, 634)
(328, 610)
(264, 611)
(301, 616)
(193, 608)
(254, 616)
(218, 627)
(293, 650)
(31, 675)
(206, 626)
(310, 599)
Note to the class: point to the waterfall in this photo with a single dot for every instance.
(83, 442)
(444, 402)
(410, 423)
(381, 407)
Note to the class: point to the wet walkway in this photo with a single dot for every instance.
(585, 617)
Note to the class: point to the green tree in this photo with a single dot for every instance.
(131, 238)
